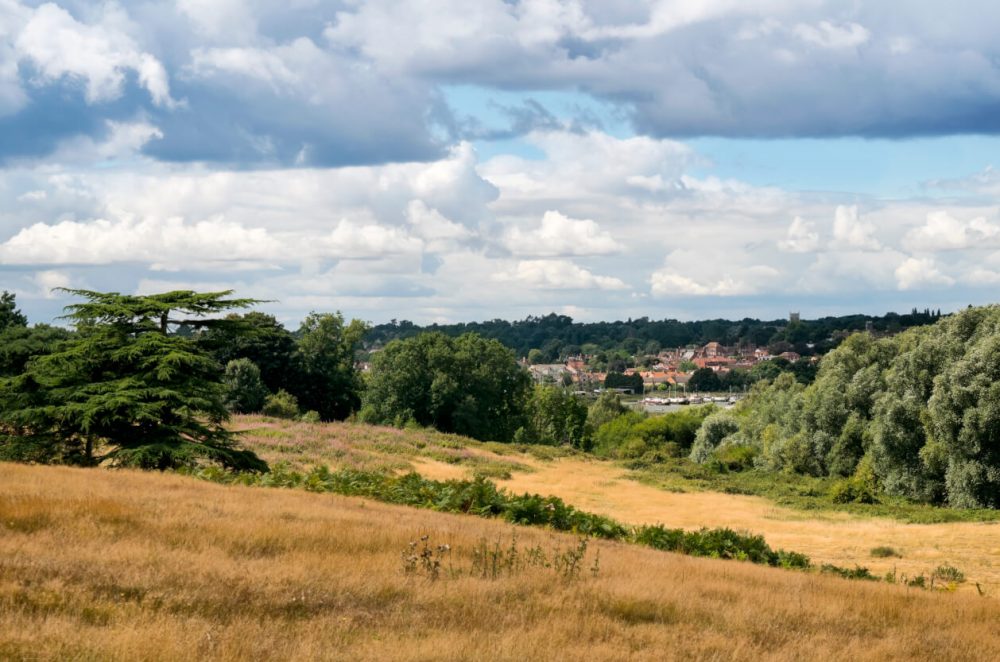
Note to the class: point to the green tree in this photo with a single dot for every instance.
(18, 344)
(245, 390)
(965, 420)
(281, 405)
(705, 380)
(260, 338)
(557, 417)
(769, 369)
(326, 380)
(124, 384)
(713, 431)
(607, 407)
(468, 385)
(10, 316)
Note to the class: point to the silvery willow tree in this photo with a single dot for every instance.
(124, 389)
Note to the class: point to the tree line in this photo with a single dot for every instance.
(150, 381)
(552, 337)
(916, 415)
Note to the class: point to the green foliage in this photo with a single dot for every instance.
(732, 457)
(857, 572)
(883, 552)
(18, 344)
(916, 415)
(281, 405)
(607, 407)
(260, 338)
(718, 543)
(311, 416)
(467, 385)
(482, 498)
(704, 380)
(862, 487)
(10, 316)
(634, 434)
(558, 335)
(712, 432)
(965, 420)
(122, 382)
(610, 436)
(245, 390)
(326, 380)
(949, 573)
(557, 417)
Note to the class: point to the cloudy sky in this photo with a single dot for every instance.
(450, 160)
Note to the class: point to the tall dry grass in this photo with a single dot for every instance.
(99, 565)
(606, 488)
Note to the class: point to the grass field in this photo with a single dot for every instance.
(120, 565)
(840, 537)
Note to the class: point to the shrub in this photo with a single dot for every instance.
(281, 405)
(311, 416)
(720, 543)
(732, 457)
(606, 408)
(883, 552)
(713, 430)
(949, 573)
(862, 487)
(858, 572)
(610, 436)
(245, 392)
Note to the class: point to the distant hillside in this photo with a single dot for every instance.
(559, 336)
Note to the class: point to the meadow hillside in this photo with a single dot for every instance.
(122, 565)
(841, 537)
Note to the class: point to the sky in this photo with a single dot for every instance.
(446, 160)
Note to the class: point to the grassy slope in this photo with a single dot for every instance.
(662, 495)
(122, 565)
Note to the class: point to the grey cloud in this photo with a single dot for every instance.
(269, 84)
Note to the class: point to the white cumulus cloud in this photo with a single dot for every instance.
(851, 232)
(99, 54)
(557, 275)
(942, 231)
(920, 272)
(801, 238)
(558, 236)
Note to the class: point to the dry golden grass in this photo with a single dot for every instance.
(304, 445)
(604, 487)
(826, 537)
(102, 565)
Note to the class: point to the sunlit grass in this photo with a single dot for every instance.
(120, 565)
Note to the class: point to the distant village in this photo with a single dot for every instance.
(672, 369)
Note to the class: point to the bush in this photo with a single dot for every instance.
(862, 487)
(245, 392)
(610, 436)
(883, 552)
(281, 405)
(482, 497)
(949, 573)
(720, 543)
(606, 408)
(311, 416)
(713, 430)
(732, 457)
(858, 572)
